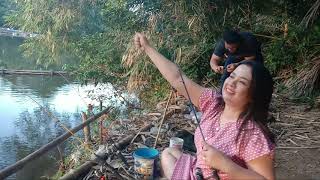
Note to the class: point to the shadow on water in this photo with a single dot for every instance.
(34, 129)
(11, 56)
(40, 86)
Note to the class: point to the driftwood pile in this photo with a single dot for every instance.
(114, 158)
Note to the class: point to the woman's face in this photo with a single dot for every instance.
(236, 88)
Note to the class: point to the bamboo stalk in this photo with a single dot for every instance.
(163, 117)
(86, 129)
(100, 124)
(7, 171)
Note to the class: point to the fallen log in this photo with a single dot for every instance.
(82, 170)
(31, 72)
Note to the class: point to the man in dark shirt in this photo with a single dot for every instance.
(235, 47)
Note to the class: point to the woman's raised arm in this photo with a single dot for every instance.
(169, 70)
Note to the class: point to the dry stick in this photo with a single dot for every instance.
(100, 123)
(266, 36)
(128, 174)
(125, 141)
(140, 131)
(134, 138)
(114, 171)
(163, 117)
(123, 159)
(61, 157)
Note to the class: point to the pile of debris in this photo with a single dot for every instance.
(114, 159)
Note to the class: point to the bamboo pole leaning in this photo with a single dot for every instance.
(86, 129)
(31, 72)
(9, 170)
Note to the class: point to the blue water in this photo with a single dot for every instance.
(25, 124)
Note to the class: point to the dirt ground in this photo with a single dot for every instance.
(297, 129)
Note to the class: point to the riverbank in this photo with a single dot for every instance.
(296, 126)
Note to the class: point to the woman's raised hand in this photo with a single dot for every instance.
(169, 70)
(140, 41)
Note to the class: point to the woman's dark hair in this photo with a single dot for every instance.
(232, 37)
(261, 94)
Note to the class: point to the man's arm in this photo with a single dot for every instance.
(233, 66)
(214, 63)
(217, 57)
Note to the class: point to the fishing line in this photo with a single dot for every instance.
(199, 174)
(192, 107)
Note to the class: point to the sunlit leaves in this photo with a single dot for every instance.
(98, 33)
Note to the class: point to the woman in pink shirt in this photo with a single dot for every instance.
(238, 143)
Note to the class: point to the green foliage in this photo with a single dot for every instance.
(279, 55)
(292, 51)
(98, 33)
(154, 93)
(6, 6)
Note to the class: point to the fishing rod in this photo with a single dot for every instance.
(199, 174)
(192, 107)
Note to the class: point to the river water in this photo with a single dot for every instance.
(24, 122)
